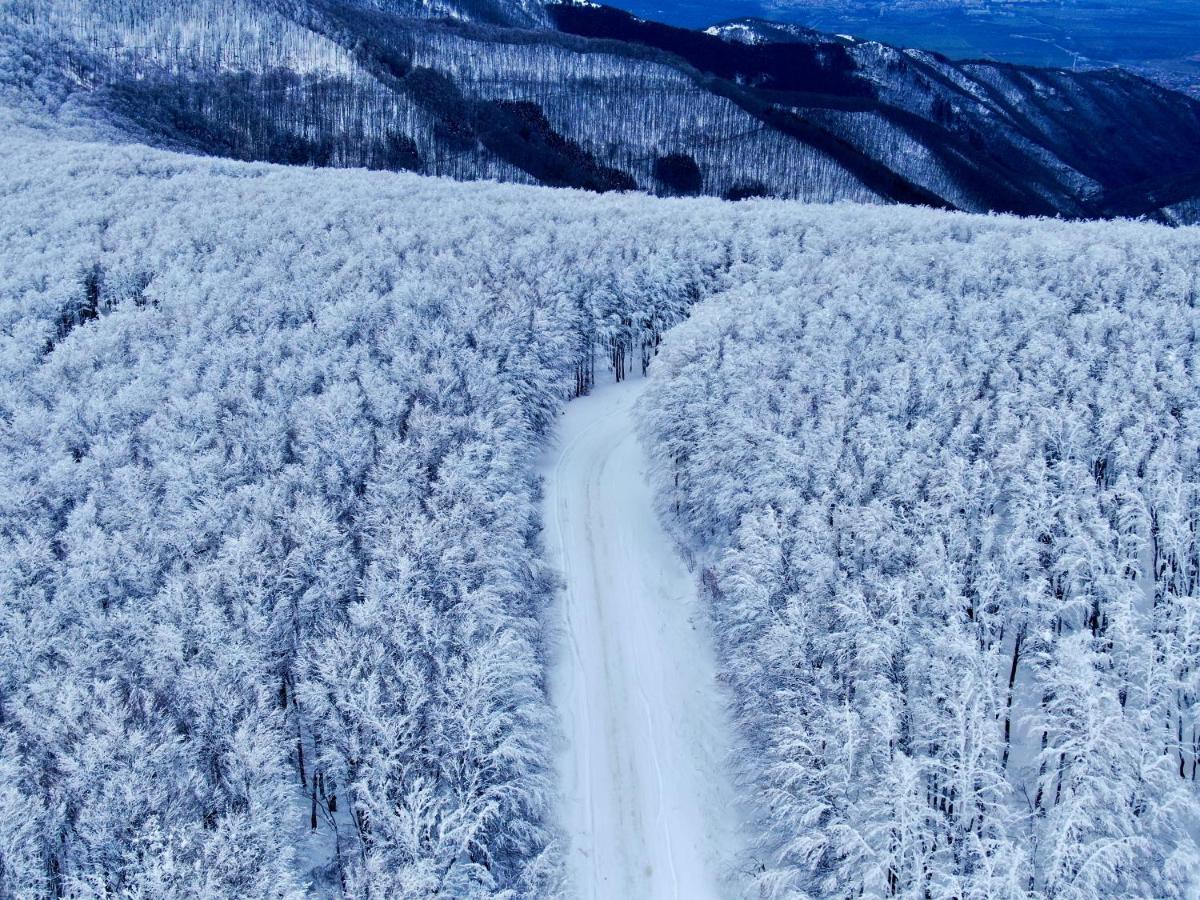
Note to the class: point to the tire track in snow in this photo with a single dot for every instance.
(661, 818)
(564, 563)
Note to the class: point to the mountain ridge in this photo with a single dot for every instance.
(583, 95)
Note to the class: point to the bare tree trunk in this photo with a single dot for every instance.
(1012, 680)
(1037, 801)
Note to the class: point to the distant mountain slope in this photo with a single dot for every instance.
(1175, 201)
(588, 96)
(993, 135)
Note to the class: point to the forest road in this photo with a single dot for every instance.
(647, 801)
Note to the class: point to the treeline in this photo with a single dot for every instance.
(943, 479)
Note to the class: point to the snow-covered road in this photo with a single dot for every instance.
(647, 802)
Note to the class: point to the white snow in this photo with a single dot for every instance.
(648, 805)
(736, 31)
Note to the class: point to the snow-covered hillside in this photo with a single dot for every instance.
(276, 607)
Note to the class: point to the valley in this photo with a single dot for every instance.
(1156, 38)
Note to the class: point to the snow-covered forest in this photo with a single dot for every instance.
(942, 476)
(272, 585)
(270, 557)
